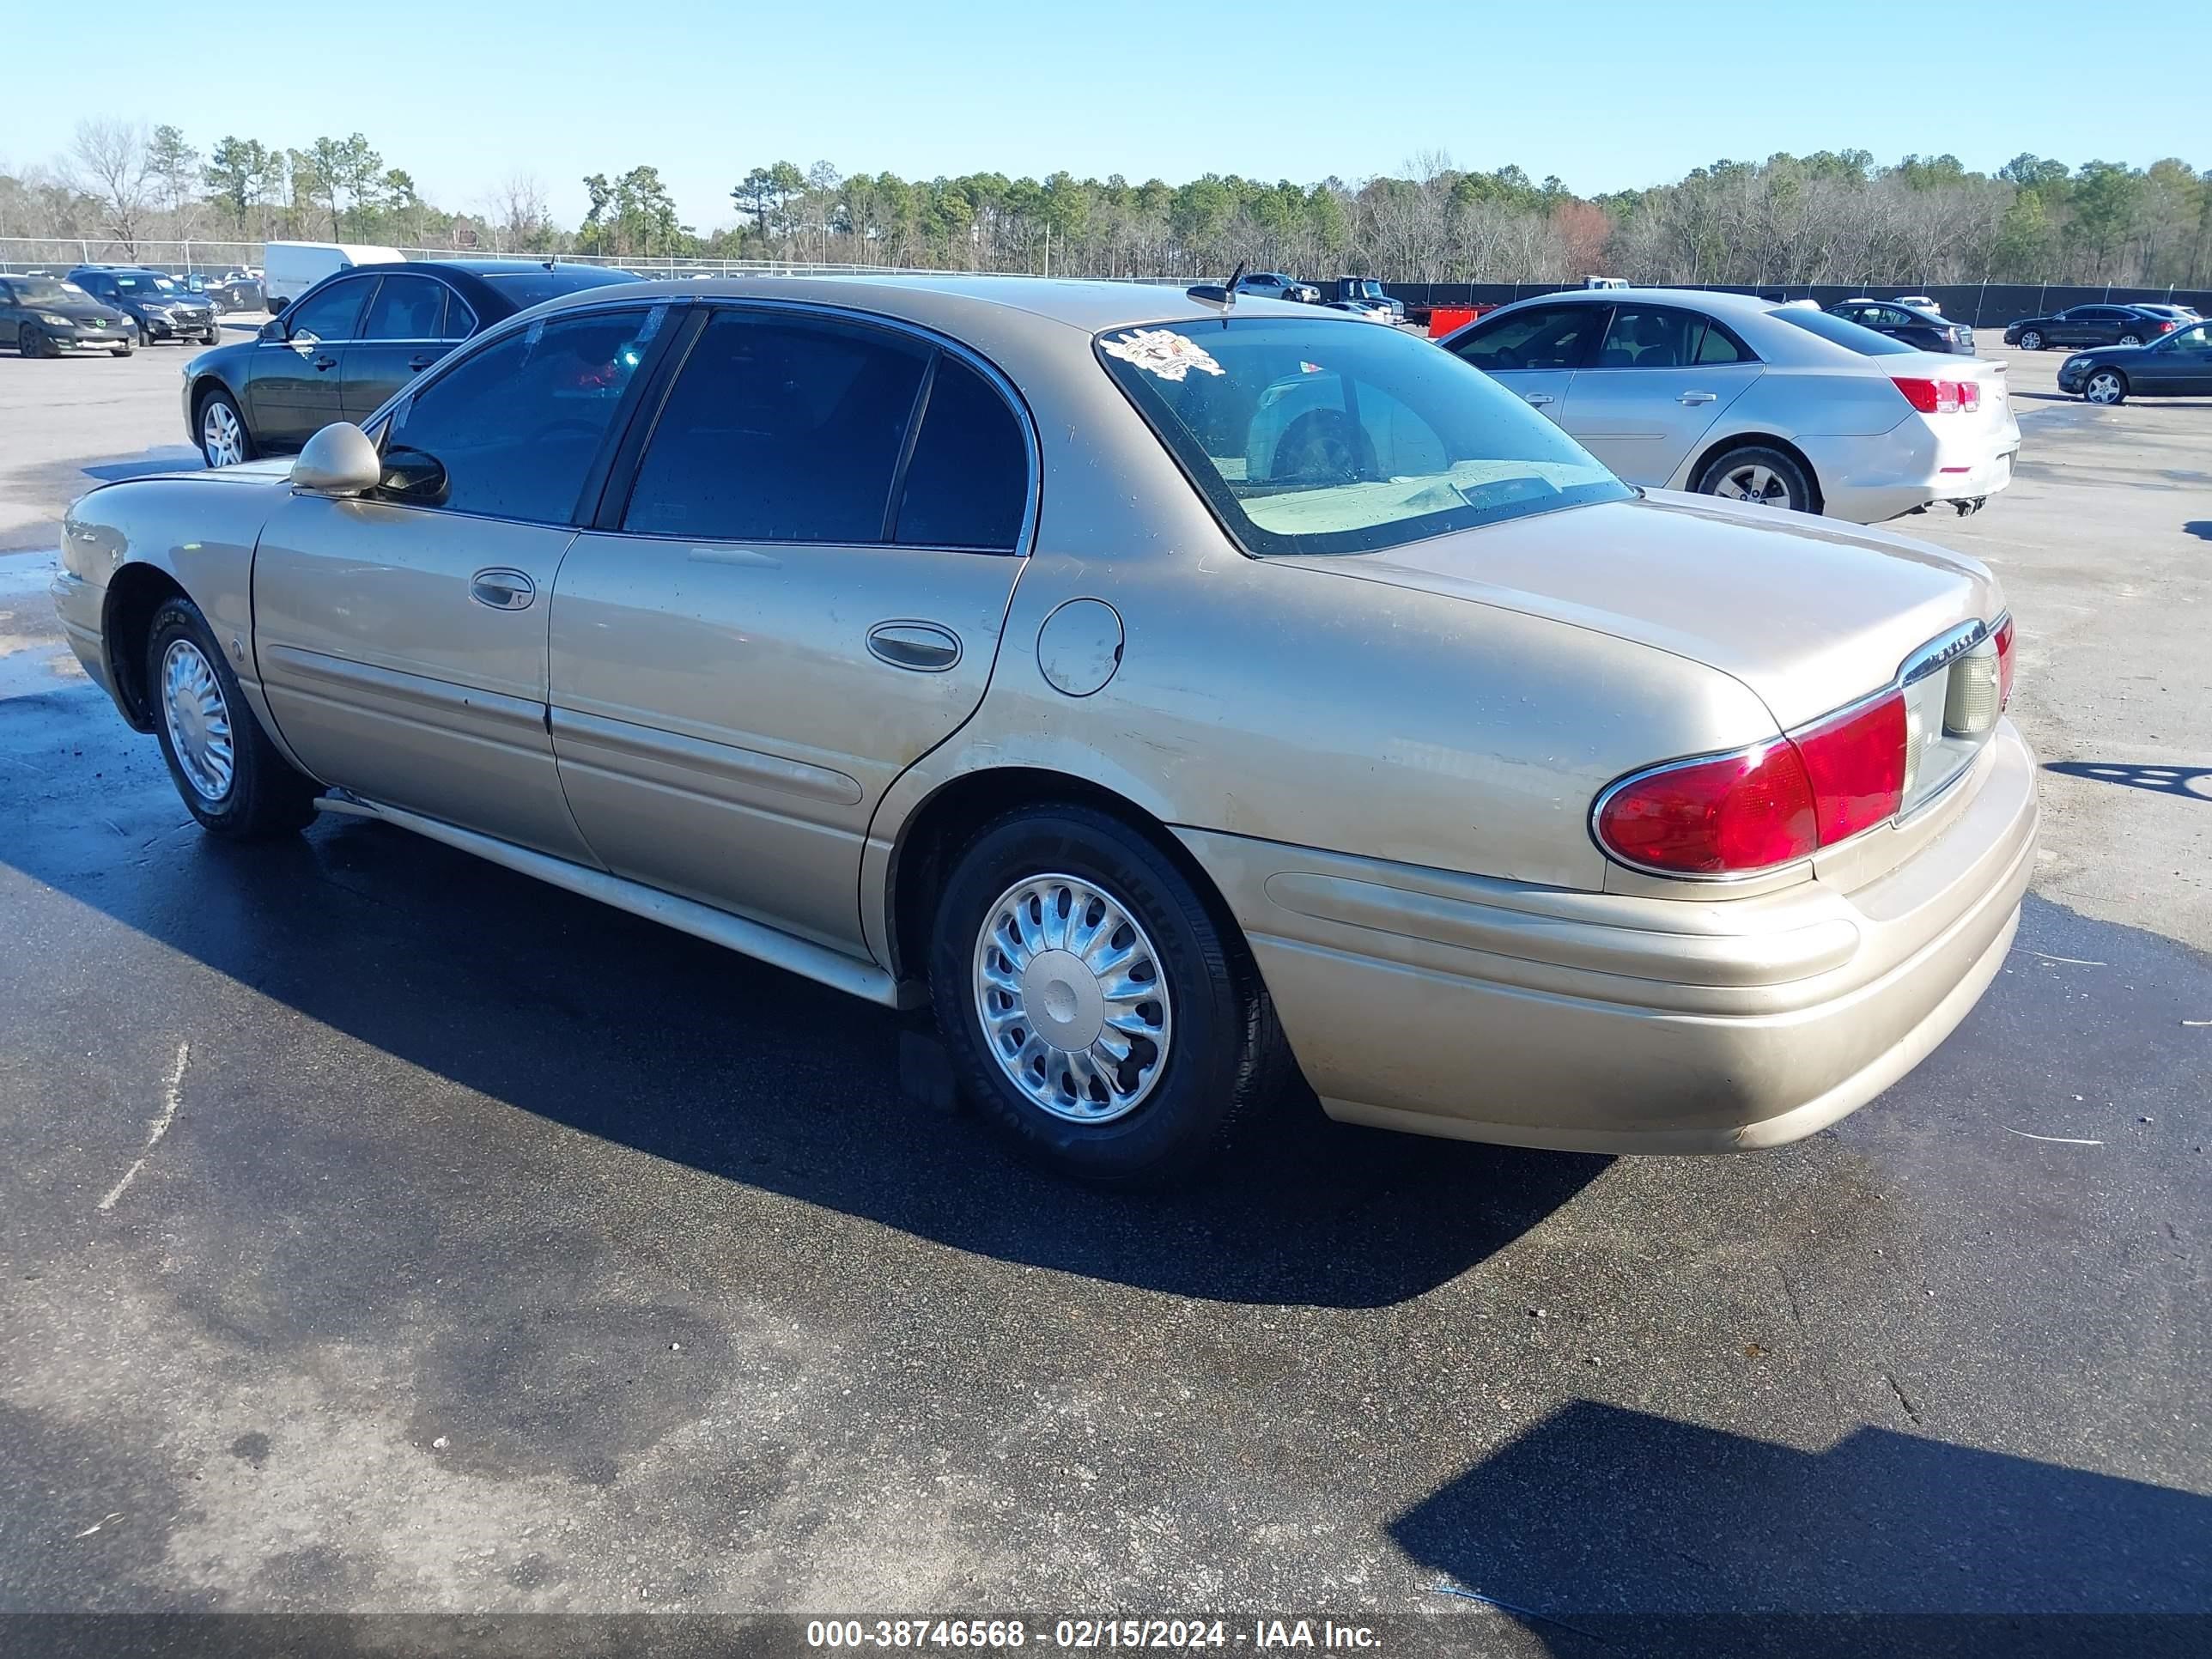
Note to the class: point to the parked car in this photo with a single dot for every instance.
(44, 317)
(2095, 325)
(2176, 365)
(290, 269)
(1273, 285)
(1921, 327)
(1176, 696)
(353, 341)
(1364, 294)
(160, 307)
(235, 289)
(2181, 314)
(1671, 388)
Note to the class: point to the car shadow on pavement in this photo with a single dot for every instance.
(2194, 782)
(1609, 1530)
(629, 1032)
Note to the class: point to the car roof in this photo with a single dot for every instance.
(1713, 299)
(1089, 305)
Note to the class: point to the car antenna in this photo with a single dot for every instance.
(1226, 295)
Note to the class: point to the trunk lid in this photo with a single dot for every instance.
(1810, 613)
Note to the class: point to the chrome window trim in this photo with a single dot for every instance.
(1938, 653)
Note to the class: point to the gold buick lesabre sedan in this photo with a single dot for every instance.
(1172, 689)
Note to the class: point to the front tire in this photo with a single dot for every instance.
(2105, 387)
(1760, 476)
(2031, 339)
(31, 343)
(230, 776)
(1092, 1006)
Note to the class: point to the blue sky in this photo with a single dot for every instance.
(1605, 96)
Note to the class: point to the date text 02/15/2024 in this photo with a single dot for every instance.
(1084, 1634)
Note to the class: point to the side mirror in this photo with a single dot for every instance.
(339, 460)
(414, 475)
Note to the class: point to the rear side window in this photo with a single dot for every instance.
(517, 425)
(780, 429)
(1719, 346)
(1543, 337)
(405, 308)
(460, 321)
(332, 314)
(968, 482)
(1837, 331)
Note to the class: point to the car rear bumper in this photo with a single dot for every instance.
(1445, 1005)
(1869, 479)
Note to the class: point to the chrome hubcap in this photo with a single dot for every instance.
(2031, 340)
(1073, 1004)
(1760, 484)
(221, 436)
(2104, 388)
(198, 721)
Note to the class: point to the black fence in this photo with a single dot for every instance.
(1981, 305)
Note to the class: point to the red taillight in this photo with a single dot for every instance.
(2004, 662)
(1769, 805)
(1938, 397)
(1713, 817)
(2168, 326)
(1857, 764)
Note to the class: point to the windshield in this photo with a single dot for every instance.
(1838, 331)
(524, 289)
(1371, 290)
(45, 290)
(134, 283)
(1316, 437)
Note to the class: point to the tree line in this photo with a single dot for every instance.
(1832, 216)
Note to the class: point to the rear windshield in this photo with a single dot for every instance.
(1840, 331)
(527, 287)
(1314, 437)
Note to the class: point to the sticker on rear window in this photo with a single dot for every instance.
(1161, 351)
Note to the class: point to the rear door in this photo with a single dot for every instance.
(402, 642)
(801, 594)
(1662, 376)
(296, 388)
(1534, 353)
(401, 332)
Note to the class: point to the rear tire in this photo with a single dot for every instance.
(1199, 1053)
(2031, 339)
(2131, 339)
(230, 776)
(1761, 476)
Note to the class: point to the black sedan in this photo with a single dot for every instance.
(2176, 365)
(350, 342)
(160, 307)
(1918, 325)
(44, 317)
(2092, 325)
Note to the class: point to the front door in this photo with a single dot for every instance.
(1534, 353)
(1661, 377)
(403, 642)
(401, 333)
(295, 389)
(802, 595)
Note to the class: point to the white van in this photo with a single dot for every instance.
(292, 268)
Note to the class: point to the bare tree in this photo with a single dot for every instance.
(517, 215)
(113, 156)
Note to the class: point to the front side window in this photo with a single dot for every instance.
(330, 315)
(2197, 338)
(405, 308)
(780, 427)
(1542, 337)
(1318, 437)
(516, 426)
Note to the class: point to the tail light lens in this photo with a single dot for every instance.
(2168, 326)
(2004, 662)
(1939, 396)
(1743, 812)
(1856, 762)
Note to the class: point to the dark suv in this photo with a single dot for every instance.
(161, 307)
(1915, 324)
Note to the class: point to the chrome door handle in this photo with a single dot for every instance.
(923, 646)
(503, 590)
(1537, 399)
(1698, 398)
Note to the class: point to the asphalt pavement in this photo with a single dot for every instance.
(384, 1233)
